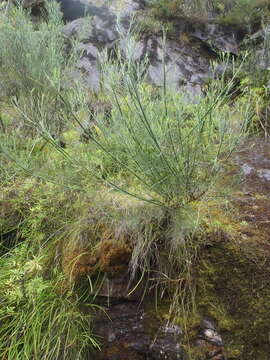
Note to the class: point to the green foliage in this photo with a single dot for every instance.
(37, 321)
(178, 8)
(155, 145)
(259, 100)
(41, 313)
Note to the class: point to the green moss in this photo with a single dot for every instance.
(233, 287)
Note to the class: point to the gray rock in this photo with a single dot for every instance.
(219, 37)
(187, 66)
(209, 332)
(96, 30)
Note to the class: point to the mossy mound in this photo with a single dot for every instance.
(233, 287)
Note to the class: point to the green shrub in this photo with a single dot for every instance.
(254, 79)
(172, 150)
(156, 146)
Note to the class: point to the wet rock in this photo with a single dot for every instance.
(74, 9)
(184, 66)
(264, 174)
(121, 288)
(180, 63)
(260, 44)
(210, 351)
(99, 30)
(135, 333)
(98, 33)
(259, 35)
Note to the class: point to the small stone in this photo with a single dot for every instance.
(213, 337)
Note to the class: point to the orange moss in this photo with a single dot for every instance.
(110, 256)
(78, 263)
(114, 257)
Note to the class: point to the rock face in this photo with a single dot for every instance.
(187, 56)
(74, 9)
(217, 36)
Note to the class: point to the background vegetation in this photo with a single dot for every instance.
(238, 13)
